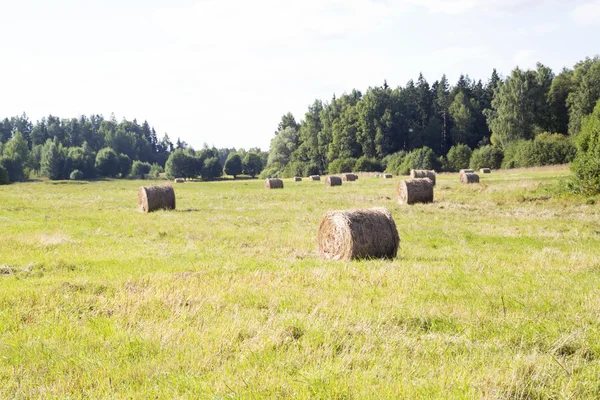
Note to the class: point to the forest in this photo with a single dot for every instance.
(528, 118)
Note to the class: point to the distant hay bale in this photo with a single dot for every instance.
(354, 234)
(274, 183)
(485, 171)
(387, 176)
(418, 190)
(297, 179)
(469, 178)
(349, 177)
(152, 198)
(333, 181)
(423, 173)
(179, 180)
(315, 178)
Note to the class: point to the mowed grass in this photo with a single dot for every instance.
(495, 293)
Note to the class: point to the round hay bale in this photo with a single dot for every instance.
(352, 234)
(274, 183)
(179, 180)
(418, 190)
(152, 198)
(485, 171)
(315, 178)
(387, 176)
(297, 179)
(333, 181)
(469, 178)
(423, 173)
(466, 171)
(349, 177)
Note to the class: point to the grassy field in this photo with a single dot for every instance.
(495, 293)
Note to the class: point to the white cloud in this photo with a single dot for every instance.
(587, 14)
(456, 7)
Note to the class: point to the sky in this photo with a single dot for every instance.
(223, 72)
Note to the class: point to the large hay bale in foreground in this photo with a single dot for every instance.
(352, 234)
(333, 181)
(387, 176)
(179, 180)
(418, 190)
(297, 179)
(152, 198)
(349, 177)
(485, 171)
(469, 178)
(274, 183)
(315, 178)
(423, 173)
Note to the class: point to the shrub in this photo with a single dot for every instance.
(140, 168)
(458, 157)
(341, 165)
(295, 168)
(3, 176)
(392, 162)
(233, 165)
(76, 175)
(365, 164)
(423, 158)
(156, 170)
(270, 172)
(211, 169)
(486, 157)
(107, 162)
(545, 149)
(252, 164)
(14, 168)
(124, 165)
(181, 165)
(311, 169)
(586, 165)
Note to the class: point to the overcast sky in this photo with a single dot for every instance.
(225, 71)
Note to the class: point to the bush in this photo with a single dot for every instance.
(393, 162)
(211, 169)
(311, 169)
(233, 165)
(181, 165)
(458, 157)
(140, 168)
(252, 164)
(486, 157)
(365, 164)
(271, 172)
(124, 165)
(76, 175)
(545, 149)
(14, 168)
(423, 158)
(295, 168)
(3, 176)
(107, 162)
(586, 165)
(341, 165)
(156, 170)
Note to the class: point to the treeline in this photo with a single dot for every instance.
(91, 147)
(528, 118)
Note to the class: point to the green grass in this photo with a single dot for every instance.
(495, 293)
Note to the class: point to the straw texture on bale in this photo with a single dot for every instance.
(274, 183)
(418, 190)
(315, 178)
(297, 179)
(353, 234)
(179, 180)
(387, 176)
(349, 177)
(485, 171)
(469, 178)
(333, 181)
(423, 173)
(152, 198)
